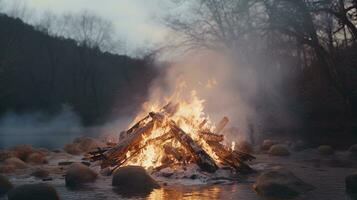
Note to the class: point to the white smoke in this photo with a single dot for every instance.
(215, 80)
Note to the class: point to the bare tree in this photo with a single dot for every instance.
(19, 9)
(1, 6)
(90, 30)
(294, 18)
(343, 10)
(92, 33)
(47, 23)
(216, 23)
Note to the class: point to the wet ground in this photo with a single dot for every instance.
(325, 173)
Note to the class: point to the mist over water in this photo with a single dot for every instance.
(39, 129)
(42, 130)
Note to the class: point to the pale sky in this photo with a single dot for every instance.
(136, 21)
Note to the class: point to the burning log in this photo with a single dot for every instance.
(202, 124)
(131, 138)
(169, 150)
(118, 153)
(204, 161)
(231, 158)
(210, 137)
(221, 125)
(140, 144)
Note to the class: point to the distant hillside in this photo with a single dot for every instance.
(41, 73)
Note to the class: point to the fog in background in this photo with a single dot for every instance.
(137, 23)
(44, 130)
(227, 87)
(39, 129)
(264, 64)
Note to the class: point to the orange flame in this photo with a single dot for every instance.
(188, 116)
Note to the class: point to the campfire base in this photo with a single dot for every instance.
(193, 175)
(177, 148)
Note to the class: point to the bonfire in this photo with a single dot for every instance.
(177, 134)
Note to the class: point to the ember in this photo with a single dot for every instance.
(175, 135)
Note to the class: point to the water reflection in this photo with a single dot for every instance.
(191, 193)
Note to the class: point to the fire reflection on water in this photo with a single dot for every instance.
(192, 193)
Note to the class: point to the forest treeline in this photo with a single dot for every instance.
(42, 72)
(303, 54)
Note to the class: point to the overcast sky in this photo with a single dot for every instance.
(136, 21)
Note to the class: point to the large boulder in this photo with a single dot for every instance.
(132, 181)
(72, 149)
(351, 183)
(22, 151)
(5, 154)
(37, 158)
(87, 143)
(40, 173)
(325, 150)
(16, 162)
(33, 191)
(6, 169)
(280, 184)
(5, 185)
(44, 151)
(245, 146)
(267, 144)
(78, 174)
(279, 150)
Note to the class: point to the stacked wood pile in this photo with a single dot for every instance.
(190, 151)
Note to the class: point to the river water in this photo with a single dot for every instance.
(325, 173)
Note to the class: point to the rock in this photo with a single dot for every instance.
(245, 146)
(106, 171)
(16, 162)
(22, 151)
(72, 149)
(33, 191)
(280, 184)
(7, 169)
(132, 181)
(44, 151)
(78, 174)
(87, 144)
(339, 162)
(325, 150)
(353, 151)
(36, 158)
(351, 183)
(63, 156)
(64, 163)
(279, 150)
(267, 144)
(299, 145)
(40, 173)
(288, 143)
(86, 163)
(5, 154)
(5, 185)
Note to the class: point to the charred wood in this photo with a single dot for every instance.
(221, 125)
(204, 161)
